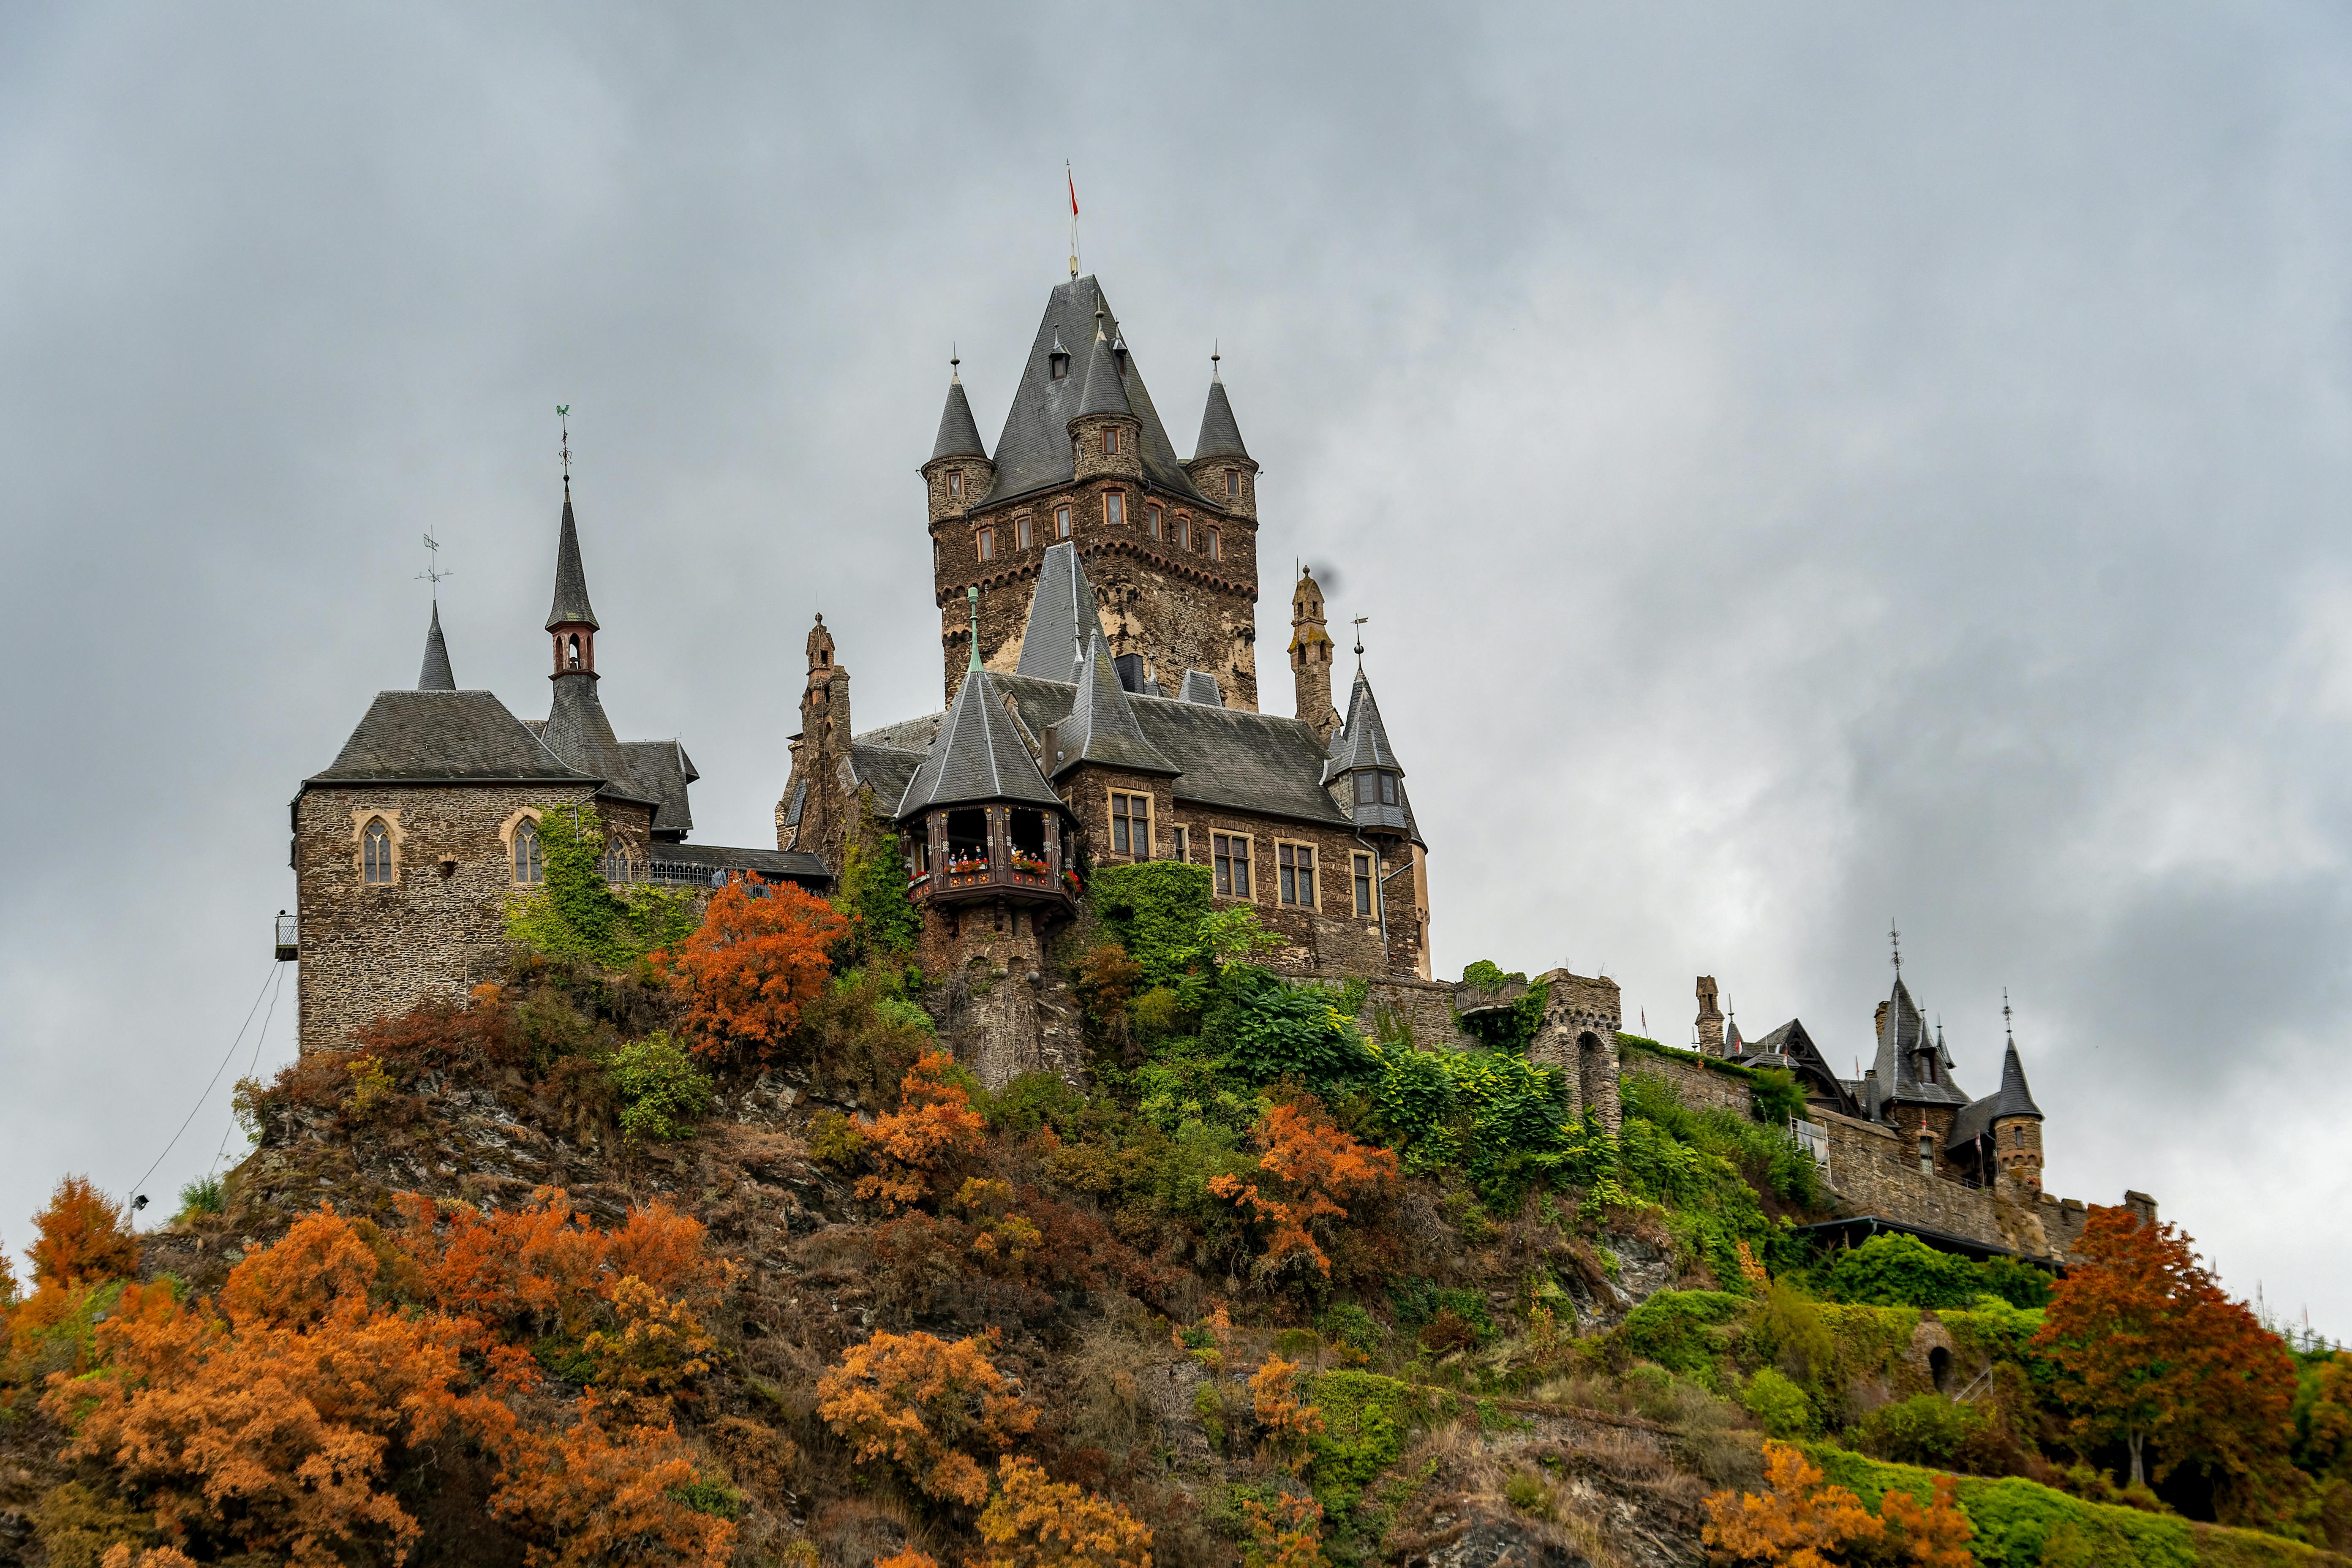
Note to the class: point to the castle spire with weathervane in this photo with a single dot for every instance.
(577, 729)
(436, 675)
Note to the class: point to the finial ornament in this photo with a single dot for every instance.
(2008, 1024)
(1359, 642)
(1895, 937)
(1072, 181)
(1215, 355)
(432, 572)
(563, 451)
(955, 362)
(971, 598)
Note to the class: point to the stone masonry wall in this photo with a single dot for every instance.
(368, 952)
(1876, 1170)
(1578, 1035)
(1699, 1088)
(1409, 1007)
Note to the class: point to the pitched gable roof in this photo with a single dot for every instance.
(1902, 1035)
(1034, 452)
(444, 737)
(1200, 686)
(1101, 726)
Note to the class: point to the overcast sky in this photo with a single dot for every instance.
(1805, 466)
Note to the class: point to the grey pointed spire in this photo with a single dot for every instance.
(578, 731)
(1219, 437)
(2014, 1097)
(1102, 726)
(959, 437)
(1363, 740)
(436, 675)
(1062, 618)
(572, 606)
(1106, 388)
(977, 755)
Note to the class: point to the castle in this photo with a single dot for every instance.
(1097, 597)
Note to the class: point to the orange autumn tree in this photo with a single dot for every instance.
(2147, 1347)
(282, 1419)
(1034, 1522)
(758, 958)
(1288, 1421)
(81, 1238)
(1801, 1523)
(1306, 1165)
(922, 1403)
(934, 1126)
(1288, 1535)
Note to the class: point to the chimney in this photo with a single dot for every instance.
(1710, 1018)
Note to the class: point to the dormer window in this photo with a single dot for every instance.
(1115, 508)
(955, 484)
(1374, 787)
(1058, 359)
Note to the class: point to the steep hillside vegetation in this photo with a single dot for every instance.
(714, 1256)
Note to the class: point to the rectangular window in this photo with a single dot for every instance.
(1151, 521)
(1233, 481)
(955, 484)
(1115, 508)
(1364, 886)
(1110, 440)
(987, 544)
(1183, 531)
(1021, 531)
(1061, 523)
(1216, 545)
(1130, 825)
(1183, 843)
(1388, 789)
(1296, 864)
(1231, 852)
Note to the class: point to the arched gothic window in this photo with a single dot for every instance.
(375, 852)
(616, 862)
(529, 870)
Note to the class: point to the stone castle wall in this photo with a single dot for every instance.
(439, 927)
(1701, 1089)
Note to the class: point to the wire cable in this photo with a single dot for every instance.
(267, 981)
(253, 1067)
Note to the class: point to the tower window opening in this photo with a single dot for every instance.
(1233, 481)
(1110, 440)
(1183, 531)
(375, 853)
(1151, 522)
(1216, 544)
(1364, 886)
(1184, 837)
(987, 544)
(530, 865)
(1115, 508)
(1021, 532)
(1027, 830)
(955, 484)
(967, 838)
(1061, 523)
(571, 651)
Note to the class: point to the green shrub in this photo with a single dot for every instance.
(835, 1140)
(1680, 1329)
(2015, 1520)
(1897, 1270)
(706, 1494)
(1365, 1420)
(205, 1194)
(1526, 1492)
(1033, 1100)
(1159, 913)
(1775, 1096)
(872, 892)
(1294, 1031)
(1419, 1301)
(1925, 1429)
(662, 1092)
(2015, 1281)
(1781, 1405)
(1788, 1331)
(1349, 1324)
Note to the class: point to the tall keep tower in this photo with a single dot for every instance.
(1170, 545)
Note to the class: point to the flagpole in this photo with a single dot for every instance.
(1074, 217)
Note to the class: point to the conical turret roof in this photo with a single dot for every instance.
(1903, 1039)
(1102, 726)
(1363, 740)
(572, 606)
(1062, 618)
(1219, 437)
(578, 731)
(959, 437)
(436, 675)
(977, 755)
(2014, 1098)
(1105, 387)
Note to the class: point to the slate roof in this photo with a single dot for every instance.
(660, 771)
(797, 865)
(1901, 1036)
(577, 730)
(888, 768)
(1034, 452)
(436, 675)
(1106, 388)
(1219, 437)
(1062, 617)
(1792, 1044)
(906, 735)
(570, 607)
(1363, 742)
(1101, 726)
(959, 436)
(978, 755)
(2012, 1098)
(444, 737)
(1200, 686)
(1225, 756)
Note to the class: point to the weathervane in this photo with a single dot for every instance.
(564, 424)
(955, 362)
(1895, 937)
(2008, 1025)
(432, 572)
(1359, 642)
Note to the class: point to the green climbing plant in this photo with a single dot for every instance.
(575, 913)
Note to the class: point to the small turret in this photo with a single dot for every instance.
(1106, 437)
(1363, 766)
(577, 729)
(436, 675)
(1311, 653)
(958, 473)
(1710, 1018)
(1222, 468)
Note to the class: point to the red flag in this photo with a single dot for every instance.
(1074, 192)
